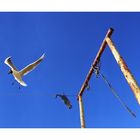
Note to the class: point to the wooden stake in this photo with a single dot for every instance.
(125, 70)
(82, 119)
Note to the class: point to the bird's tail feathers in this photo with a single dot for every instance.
(23, 83)
(42, 56)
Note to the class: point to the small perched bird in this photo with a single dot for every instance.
(19, 74)
(65, 100)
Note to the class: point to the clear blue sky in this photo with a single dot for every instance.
(70, 41)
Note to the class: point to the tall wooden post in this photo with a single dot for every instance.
(125, 70)
(82, 119)
(85, 84)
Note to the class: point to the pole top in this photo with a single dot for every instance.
(111, 29)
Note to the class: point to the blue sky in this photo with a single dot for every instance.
(70, 41)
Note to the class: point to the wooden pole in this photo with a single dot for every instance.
(95, 62)
(82, 119)
(85, 84)
(125, 70)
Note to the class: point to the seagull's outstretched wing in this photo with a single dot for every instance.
(31, 66)
(21, 82)
(9, 63)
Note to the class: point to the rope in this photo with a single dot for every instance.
(97, 72)
(117, 96)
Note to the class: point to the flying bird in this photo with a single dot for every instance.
(19, 74)
(65, 100)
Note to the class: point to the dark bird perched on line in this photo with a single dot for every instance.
(65, 100)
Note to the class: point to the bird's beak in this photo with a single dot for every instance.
(70, 106)
(9, 72)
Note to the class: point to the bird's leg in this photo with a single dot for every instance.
(19, 87)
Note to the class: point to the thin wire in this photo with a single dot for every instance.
(117, 96)
(72, 95)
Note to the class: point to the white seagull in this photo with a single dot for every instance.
(19, 74)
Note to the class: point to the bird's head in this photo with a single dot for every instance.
(10, 71)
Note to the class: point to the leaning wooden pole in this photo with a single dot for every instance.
(95, 62)
(125, 70)
(81, 108)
